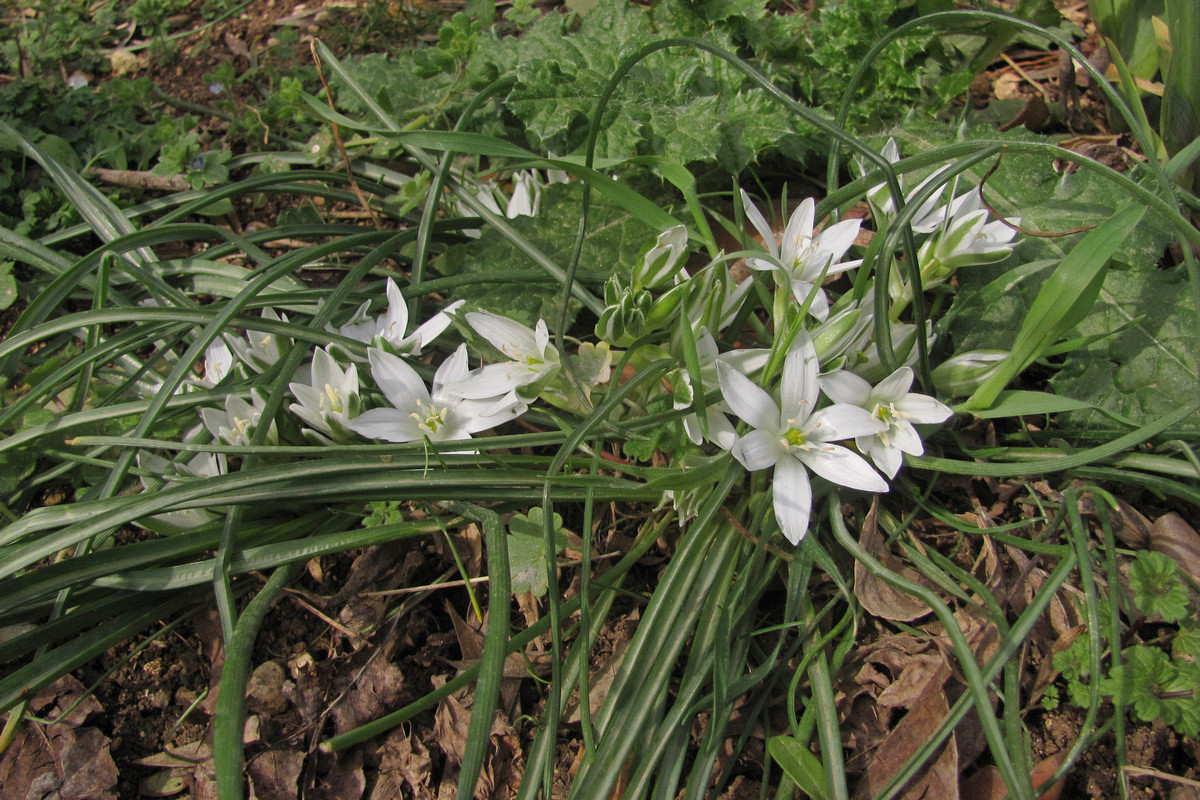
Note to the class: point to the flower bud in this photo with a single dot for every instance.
(661, 262)
(840, 332)
(625, 320)
(664, 308)
(962, 374)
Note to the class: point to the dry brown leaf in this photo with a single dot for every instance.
(360, 615)
(237, 46)
(889, 670)
(877, 597)
(1129, 525)
(451, 720)
(600, 681)
(344, 780)
(939, 779)
(988, 785)
(63, 760)
(183, 755)
(470, 634)
(376, 689)
(1177, 540)
(275, 775)
(1047, 674)
(404, 762)
(264, 689)
(924, 673)
(988, 569)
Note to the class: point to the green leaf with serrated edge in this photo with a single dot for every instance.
(527, 551)
(395, 84)
(800, 764)
(1136, 373)
(685, 105)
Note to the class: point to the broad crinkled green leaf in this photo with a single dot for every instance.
(1150, 367)
(614, 240)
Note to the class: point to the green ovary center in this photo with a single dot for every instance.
(429, 417)
(890, 416)
(794, 438)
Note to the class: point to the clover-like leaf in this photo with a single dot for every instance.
(527, 559)
(1156, 586)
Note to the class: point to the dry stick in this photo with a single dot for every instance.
(1017, 69)
(1001, 218)
(136, 179)
(337, 137)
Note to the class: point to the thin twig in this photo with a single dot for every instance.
(1016, 68)
(337, 137)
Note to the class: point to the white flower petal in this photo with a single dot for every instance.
(760, 224)
(360, 327)
(394, 323)
(819, 307)
(838, 465)
(845, 387)
(720, 431)
(841, 421)
(835, 240)
(893, 387)
(793, 498)
(762, 264)
(399, 382)
(748, 401)
(888, 459)
(923, 409)
(389, 424)
(433, 327)
(479, 415)
(798, 235)
(902, 436)
(511, 338)
(799, 387)
(490, 381)
(758, 450)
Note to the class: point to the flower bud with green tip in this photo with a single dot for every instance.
(961, 375)
(659, 265)
(967, 240)
(843, 333)
(624, 317)
(714, 299)
(664, 308)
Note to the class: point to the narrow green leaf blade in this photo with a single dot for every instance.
(800, 765)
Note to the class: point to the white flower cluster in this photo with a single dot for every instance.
(815, 400)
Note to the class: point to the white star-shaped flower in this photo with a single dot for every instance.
(892, 404)
(236, 424)
(418, 412)
(389, 328)
(793, 437)
(803, 258)
(534, 361)
(329, 400)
